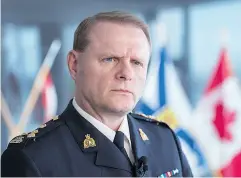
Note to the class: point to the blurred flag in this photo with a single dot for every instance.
(49, 99)
(219, 115)
(165, 98)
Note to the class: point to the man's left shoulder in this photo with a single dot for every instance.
(153, 125)
(149, 119)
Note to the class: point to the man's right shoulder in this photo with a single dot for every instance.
(26, 139)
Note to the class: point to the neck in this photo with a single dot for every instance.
(110, 119)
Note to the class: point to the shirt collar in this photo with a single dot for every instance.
(124, 127)
(109, 133)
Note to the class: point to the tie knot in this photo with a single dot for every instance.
(119, 139)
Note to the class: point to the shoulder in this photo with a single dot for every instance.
(149, 119)
(160, 126)
(26, 139)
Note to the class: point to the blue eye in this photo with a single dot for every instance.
(109, 59)
(137, 63)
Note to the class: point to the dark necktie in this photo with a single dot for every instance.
(119, 142)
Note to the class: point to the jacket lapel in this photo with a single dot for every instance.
(90, 139)
(110, 156)
(140, 141)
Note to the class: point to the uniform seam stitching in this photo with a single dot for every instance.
(179, 149)
(30, 159)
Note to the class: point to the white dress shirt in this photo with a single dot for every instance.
(109, 133)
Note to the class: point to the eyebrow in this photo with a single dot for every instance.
(113, 54)
(110, 53)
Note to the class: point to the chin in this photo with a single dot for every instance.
(121, 109)
(120, 104)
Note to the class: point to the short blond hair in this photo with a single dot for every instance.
(81, 34)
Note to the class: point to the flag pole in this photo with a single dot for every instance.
(7, 116)
(38, 84)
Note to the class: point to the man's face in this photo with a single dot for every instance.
(111, 72)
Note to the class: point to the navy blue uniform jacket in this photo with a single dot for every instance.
(57, 149)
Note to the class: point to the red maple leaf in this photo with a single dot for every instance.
(222, 121)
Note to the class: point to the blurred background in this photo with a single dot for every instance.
(193, 79)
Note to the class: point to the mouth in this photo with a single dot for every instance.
(121, 91)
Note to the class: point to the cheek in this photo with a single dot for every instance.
(87, 78)
(140, 82)
(141, 77)
(101, 82)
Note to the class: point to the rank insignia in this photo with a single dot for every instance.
(143, 135)
(55, 118)
(42, 126)
(18, 139)
(89, 142)
(35, 131)
(146, 116)
(32, 134)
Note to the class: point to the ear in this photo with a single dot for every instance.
(72, 63)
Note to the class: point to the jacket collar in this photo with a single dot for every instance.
(91, 140)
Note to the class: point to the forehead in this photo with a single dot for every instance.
(119, 38)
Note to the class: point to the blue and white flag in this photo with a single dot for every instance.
(165, 98)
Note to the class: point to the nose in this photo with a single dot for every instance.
(125, 71)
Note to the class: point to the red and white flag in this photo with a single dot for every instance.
(219, 115)
(49, 99)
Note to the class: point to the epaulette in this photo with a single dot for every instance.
(150, 118)
(144, 117)
(22, 140)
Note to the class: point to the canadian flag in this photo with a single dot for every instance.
(49, 99)
(218, 114)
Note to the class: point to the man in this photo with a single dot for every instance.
(97, 135)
